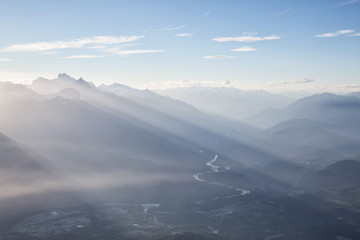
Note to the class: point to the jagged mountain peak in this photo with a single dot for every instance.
(65, 76)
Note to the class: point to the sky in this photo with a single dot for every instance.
(276, 45)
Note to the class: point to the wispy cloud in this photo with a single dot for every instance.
(289, 83)
(226, 82)
(184, 34)
(305, 80)
(250, 33)
(355, 35)
(169, 29)
(123, 52)
(286, 12)
(304, 85)
(244, 49)
(352, 85)
(207, 13)
(5, 60)
(342, 4)
(162, 85)
(218, 57)
(53, 52)
(75, 43)
(246, 38)
(277, 86)
(334, 34)
(96, 47)
(83, 56)
(279, 13)
(106, 44)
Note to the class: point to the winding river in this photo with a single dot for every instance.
(216, 169)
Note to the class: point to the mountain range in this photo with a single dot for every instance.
(111, 152)
(227, 101)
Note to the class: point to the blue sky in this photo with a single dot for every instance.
(269, 44)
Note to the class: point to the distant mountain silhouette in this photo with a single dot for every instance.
(227, 101)
(326, 107)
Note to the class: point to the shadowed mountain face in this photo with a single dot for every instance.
(309, 141)
(340, 172)
(338, 183)
(316, 130)
(13, 157)
(114, 162)
(22, 169)
(326, 108)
